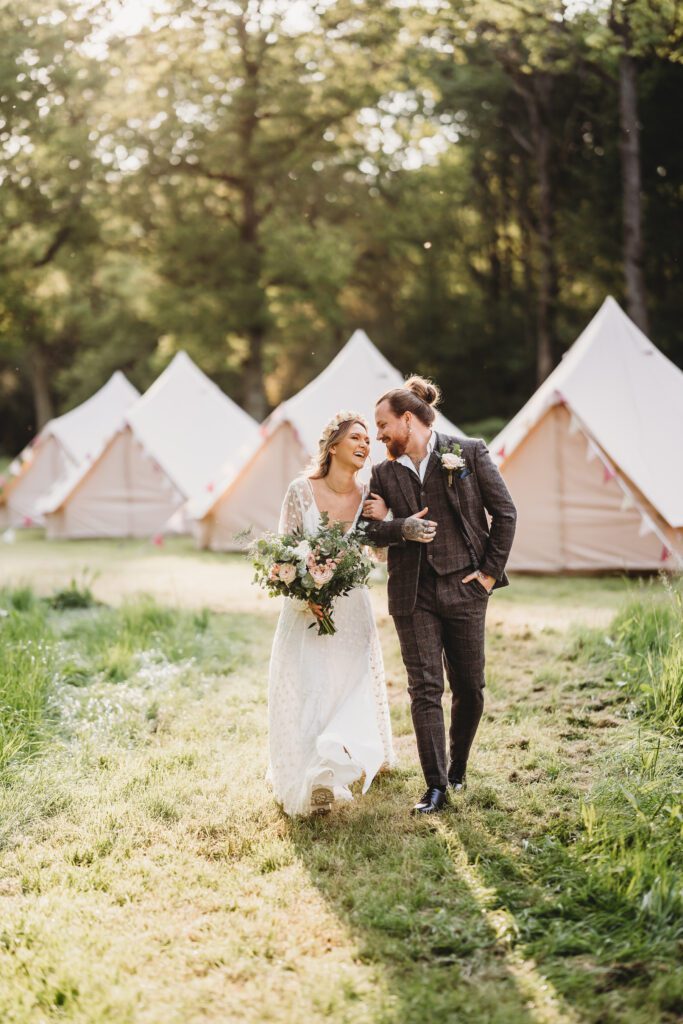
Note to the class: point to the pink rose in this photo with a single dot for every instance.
(322, 575)
(287, 573)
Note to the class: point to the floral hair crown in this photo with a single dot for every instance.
(345, 416)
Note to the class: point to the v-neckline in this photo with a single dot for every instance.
(358, 510)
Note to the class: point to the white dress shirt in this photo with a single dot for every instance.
(405, 460)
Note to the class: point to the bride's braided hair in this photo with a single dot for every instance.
(335, 431)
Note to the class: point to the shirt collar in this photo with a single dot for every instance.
(405, 460)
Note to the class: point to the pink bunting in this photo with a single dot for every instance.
(27, 521)
(501, 452)
(666, 554)
(210, 487)
(608, 474)
(158, 540)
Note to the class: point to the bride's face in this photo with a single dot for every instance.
(392, 430)
(353, 449)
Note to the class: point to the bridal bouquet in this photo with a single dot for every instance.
(313, 568)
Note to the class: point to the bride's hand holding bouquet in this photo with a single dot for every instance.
(314, 568)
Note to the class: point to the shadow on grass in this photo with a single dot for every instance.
(610, 962)
(461, 930)
(394, 881)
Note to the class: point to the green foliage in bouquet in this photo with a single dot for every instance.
(315, 568)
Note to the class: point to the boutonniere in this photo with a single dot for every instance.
(452, 461)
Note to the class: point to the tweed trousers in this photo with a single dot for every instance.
(445, 631)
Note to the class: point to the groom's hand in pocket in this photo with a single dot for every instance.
(486, 581)
(418, 528)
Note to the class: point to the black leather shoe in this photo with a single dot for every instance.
(433, 801)
(457, 785)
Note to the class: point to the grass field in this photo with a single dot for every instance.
(147, 877)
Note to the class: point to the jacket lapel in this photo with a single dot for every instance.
(434, 459)
(452, 492)
(402, 474)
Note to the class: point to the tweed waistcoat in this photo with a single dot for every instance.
(449, 551)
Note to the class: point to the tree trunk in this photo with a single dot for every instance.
(546, 346)
(254, 392)
(526, 253)
(256, 320)
(629, 146)
(42, 400)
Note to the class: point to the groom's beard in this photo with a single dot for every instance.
(397, 448)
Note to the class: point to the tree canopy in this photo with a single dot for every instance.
(465, 179)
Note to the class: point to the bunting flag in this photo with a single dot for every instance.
(626, 502)
(608, 473)
(646, 526)
(158, 540)
(501, 452)
(666, 553)
(210, 487)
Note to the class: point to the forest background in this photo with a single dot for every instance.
(251, 180)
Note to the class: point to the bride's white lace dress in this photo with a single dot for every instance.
(328, 712)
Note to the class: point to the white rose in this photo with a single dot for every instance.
(287, 573)
(452, 461)
(302, 550)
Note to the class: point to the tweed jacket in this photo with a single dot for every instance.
(477, 489)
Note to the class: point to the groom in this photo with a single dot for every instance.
(441, 571)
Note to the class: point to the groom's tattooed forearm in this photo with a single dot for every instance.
(421, 530)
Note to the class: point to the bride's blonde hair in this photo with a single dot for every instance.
(335, 431)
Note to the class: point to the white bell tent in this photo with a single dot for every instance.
(170, 446)
(593, 459)
(251, 501)
(62, 445)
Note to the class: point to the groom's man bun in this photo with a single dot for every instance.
(424, 389)
(418, 396)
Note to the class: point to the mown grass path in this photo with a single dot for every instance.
(146, 876)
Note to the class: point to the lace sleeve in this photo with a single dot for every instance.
(291, 514)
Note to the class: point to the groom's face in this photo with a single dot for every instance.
(391, 430)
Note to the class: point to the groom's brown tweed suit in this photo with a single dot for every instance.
(439, 619)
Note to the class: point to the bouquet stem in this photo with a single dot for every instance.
(326, 626)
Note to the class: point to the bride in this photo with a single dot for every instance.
(327, 704)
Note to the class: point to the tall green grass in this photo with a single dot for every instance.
(27, 668)
(69, 638)
(649, 653)
(633, 820)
